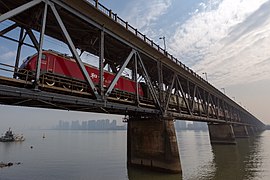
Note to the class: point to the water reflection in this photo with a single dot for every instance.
(141, 174)
(102, 155)
(241, 161)
(196, 155)
(7, 148)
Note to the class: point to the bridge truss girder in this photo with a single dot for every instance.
(172, 92)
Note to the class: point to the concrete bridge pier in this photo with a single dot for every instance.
(221, 133)
(152, 143)
(240, 131)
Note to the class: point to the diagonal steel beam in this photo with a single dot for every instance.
(21, 102)
(178, 95)
(101, 64)
(52, 104)
(74, 52)
(218, 107)
(18, 10)
(19, 48)
(203, 103)
(119, 73)
(193, 97)
(224, 109)
(213, 105)
(230, 112)
(32, 37)
(6, 30)
(136, 79)
(41, 39)
(152, 90)
(184, 96)
(160, 82)
(170, 92)
(208, 104)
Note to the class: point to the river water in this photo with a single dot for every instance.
(98, 155)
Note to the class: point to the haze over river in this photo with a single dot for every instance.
(98, 155)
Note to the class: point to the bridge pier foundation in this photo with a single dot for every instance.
(240, 131)
(152, 144)
(221, 134)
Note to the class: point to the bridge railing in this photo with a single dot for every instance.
(7, 70)
(130, 28)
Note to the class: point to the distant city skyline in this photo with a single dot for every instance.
(101, 124)
(107, 124)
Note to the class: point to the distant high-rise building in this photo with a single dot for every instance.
(113, 124)
(60, 125)
(200, 125)
(75, 125)
(190, 126)
(66, 125)
(180, 125)
(91, 124)
(84, 125)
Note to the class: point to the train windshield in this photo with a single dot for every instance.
(27, 59)
(43, 57)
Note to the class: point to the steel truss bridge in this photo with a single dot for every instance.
(175, 90)
(171, 90)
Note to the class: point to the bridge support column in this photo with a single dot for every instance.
(240, 131)
(221, 134)
(153, 144)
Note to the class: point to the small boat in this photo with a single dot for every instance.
(10, 137)
(19, 138)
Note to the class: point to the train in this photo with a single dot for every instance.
(58, 70)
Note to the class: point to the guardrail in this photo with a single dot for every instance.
(6, 68)
(140, 35)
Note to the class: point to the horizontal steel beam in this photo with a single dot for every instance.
(119, 73)
(11, 93)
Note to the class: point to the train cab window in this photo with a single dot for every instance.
(27, 59)
(43, 57)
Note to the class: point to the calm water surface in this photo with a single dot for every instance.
(101, 155)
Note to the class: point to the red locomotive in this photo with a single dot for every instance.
(67, 68)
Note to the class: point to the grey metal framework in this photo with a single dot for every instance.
(173, 89)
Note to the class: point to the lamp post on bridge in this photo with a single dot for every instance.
(164, 41)
(205, 76)
(223, 90)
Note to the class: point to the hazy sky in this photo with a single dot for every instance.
(227, 39)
